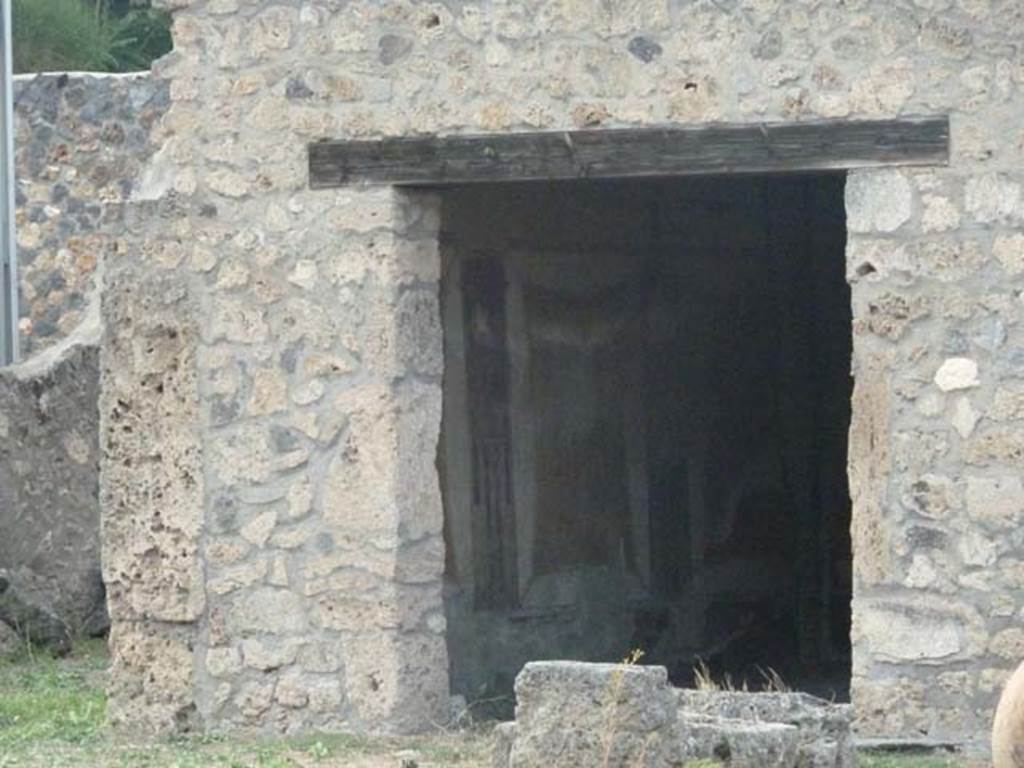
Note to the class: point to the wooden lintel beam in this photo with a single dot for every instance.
(631, 152)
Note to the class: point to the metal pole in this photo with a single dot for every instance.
(8, 255)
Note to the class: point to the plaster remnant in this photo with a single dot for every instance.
(964, 417)
(878, 201)
(957, 373)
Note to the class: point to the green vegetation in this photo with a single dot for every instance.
(52, 716)
(884, 760)
(52, 713)
(43, 700)
(890, 760)
(87, 35)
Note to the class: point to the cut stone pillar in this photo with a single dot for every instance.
(151, 494)
(381, 498)
(272, 510)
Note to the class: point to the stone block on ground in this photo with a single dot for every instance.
(574, 714)
(25, 608)
(504, 738)
(823, 728)
(10, 642)
(739, 743)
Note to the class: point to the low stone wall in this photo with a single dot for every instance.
(572, 714)
(81, 142)
(49, 478)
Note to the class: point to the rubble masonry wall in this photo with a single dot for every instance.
(273, 516)
(81, 143)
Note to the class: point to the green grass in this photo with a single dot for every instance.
(882, 760)
(58, 35)
(73, 35)
(52, 715)
(878, 761)
(44, 700)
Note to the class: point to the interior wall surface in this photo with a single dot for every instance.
(300, 336)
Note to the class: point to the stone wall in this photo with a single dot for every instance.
(293, 337)
(320, 547)
(81, 141)
(81, 144)
(49, 478)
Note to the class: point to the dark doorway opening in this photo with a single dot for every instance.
(646, 406)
